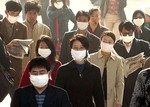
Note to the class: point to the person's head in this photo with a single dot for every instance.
(45, 48)
(32, 10)
(13, 10)
(95, 16)
(82, 18)
(126, 29)
(138, 18)
(58, 4)
(147, 14)
(79, 45)
(39, 70)
(107, 41)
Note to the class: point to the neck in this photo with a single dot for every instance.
(106, 53)
(93, 26)
(32, 23)
(80, 62)
(82, 32)
(40, 90)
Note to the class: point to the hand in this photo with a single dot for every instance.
(143, 60)
(117, 105)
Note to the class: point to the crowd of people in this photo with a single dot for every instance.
(103, 61)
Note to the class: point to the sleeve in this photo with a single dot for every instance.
(145, 48)
(98, 90)
(60, 78)
(24, 81)
(15, 100)
(63, 57)
(119, 83)
(65, 100)
(4, 57)
(138, 88)
(73, 19)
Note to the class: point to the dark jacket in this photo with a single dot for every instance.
(65, 53)
(98, 31)
(81, 88)
(55, 97)
(122, 5)
(63, 15)
(145, 34)
(137, 47)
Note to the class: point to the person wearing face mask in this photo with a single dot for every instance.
(80, 78)
(12, 29)
(59, 16)
(141, 31)
(113, 79)
(82, 18)
(40, 93)
(127, 47)
(46, 49)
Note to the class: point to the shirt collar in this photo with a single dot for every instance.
(112, 56)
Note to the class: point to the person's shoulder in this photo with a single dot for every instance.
(21, 24)
(57, 89)
(141, 41)
(69, 34)
(90, 35)
(42, 25)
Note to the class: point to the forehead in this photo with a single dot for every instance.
(125, 30)
(106, 37)
(38, 69)
(95, 12)
(32, 12)
(138, 15)
(13, 13)
(82, 17)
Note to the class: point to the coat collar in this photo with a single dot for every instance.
(100, 55)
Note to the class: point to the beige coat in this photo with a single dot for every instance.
(115, 76)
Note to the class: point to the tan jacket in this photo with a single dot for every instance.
(115, 76)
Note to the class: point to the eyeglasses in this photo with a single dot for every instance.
(125, 34)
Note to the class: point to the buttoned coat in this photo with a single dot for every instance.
(115, 76)
(82, 88)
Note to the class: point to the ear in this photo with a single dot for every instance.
(49, 75)
(6, 12)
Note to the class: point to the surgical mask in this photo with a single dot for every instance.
(82, 25)
(58, 5)
(78, 55)
(106, 47)
(39, 80)
(138, 22)
(128, 38)
(12, 19)
(44, 52)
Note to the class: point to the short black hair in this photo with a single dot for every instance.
(32, 5)
(64, 2)
(127, 25)
(39, 62)
(80, 37)
(13, 6)
(82, 13)
(110, 34)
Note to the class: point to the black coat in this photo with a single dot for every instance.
(55, 97)
(81, 88)
(137, 47)
(65, 53)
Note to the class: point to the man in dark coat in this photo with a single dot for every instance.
(40, 93)
(82, 19)
(129, 46)
(11, 29)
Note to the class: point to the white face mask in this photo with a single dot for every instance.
(82, 25)
(128, 38)
(138, 22)
(78, 55)
(12, 19)
(44, 52)
(106, 47)
(39, 80)
(58, 5)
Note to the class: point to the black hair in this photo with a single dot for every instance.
(32, 5)
(80, 37)
(64, 2)
(93, 10)
(39, 62)
(82, 13)
(110, 34)
(49, 43)
(127, 25)
(13, 6)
